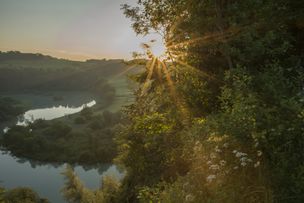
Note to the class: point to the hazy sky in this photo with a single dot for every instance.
(74, 29)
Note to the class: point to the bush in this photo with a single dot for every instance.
(79, 120)
(23, 195)
(86, 113)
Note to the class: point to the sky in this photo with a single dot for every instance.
(72, 29)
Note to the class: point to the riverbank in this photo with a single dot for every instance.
(81, 138)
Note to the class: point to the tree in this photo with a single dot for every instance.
(235, 70)
(21, 194)
(75, 192)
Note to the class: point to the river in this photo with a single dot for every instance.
(46, 179)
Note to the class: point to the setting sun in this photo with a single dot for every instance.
(158, 49)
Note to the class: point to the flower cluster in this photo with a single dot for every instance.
(243, 158)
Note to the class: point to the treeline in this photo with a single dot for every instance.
(90, 143)
(223, 121)
(16, 55)
(6, 59)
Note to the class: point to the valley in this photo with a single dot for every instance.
(61, 114)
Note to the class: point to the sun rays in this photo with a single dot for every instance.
(158, 68)
(164, 67)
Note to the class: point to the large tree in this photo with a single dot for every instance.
(235, 73)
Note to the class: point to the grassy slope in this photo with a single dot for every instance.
(23, 72)
(123, 96)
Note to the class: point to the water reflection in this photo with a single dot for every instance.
(50, 113)
(47, 179)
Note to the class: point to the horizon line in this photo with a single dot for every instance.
(73, 57)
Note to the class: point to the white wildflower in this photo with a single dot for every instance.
(212, 156)
(225, 145)
(222, 162)
(209, 162)
(243, 159)
(189, 198)
(217, 149)
(259, 153)
(240, 154)
(257, 164)
(235, 168)
(234, 151)
(214, 167)
(243, 164)
(210, 178)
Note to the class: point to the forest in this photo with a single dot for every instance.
(89, 143)
(220, 116)
(37, 72)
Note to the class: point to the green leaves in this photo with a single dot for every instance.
(238, 67)
(152, 125)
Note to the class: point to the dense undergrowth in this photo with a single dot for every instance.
(221, 119)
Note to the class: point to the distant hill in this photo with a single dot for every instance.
(27, 71)
(16, 59)
(16, 55)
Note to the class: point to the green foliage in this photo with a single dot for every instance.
(36, 72)
(109, 189)
(79, 120)
(2, 192)
(237, 71)
(265, 110)
(86, 113)
(56, 141)
(22, 195)
(75, 192)
(151, 142)
(10, 108)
